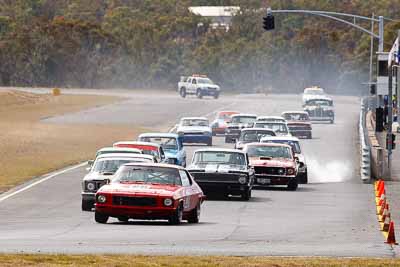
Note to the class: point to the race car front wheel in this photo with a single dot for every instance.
(176, 218)
(293, 184)
(87, 205)
(246, 195)
(182, 92)
(100, 218)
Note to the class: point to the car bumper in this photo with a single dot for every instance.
(227, 188)
(87, 196)
(197, 139)
(324, 118)
(209, 92)
(301, 133)
(266, 181)
(218, 130)
(150, 213)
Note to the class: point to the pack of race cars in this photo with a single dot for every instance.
(148, 179)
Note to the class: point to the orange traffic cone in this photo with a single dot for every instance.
(380, 200)
(386, 222)
(391, 239)
(377, 184)
(384, 214)
(381, 208)
(381, 190)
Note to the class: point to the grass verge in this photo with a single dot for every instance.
(186, 261)
(30, 147)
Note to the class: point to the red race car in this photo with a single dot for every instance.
(221, 121)
(150, 191)
(274, 164)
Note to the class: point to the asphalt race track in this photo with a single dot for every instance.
(332, 216)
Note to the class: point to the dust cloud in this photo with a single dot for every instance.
(334, 171)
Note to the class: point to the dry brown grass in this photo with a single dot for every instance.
(29, 147)
(187, 261)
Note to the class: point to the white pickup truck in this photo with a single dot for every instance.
(198, 85)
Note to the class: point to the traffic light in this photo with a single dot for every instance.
(391, 140)
(372, 89)
(379, 119)
(269, 22)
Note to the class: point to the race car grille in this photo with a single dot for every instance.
(269, 171)
(134, 201)
(215, 177)
(193, 133)
(299, 127)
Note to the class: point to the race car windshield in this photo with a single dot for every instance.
(167, 143)
(316, 102)
(314, 92)
(224, 116)
(111, 165)
(194, 123)
(205, 81)
(276, 127)
(294, 144)
(148, 175)
(216, 157)
(253, 136)
(243, 119)
(269, 151)
(296, 117)
(270, 119)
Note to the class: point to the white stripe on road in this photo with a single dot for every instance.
(42, 180)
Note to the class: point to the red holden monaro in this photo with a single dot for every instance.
(151, 192)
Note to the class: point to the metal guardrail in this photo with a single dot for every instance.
(365, 148)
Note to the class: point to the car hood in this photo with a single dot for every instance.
(281, 163)
(96, 176)
(147, 189)
(217, 168)
(199, 129)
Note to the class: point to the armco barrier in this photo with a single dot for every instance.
(365, 150)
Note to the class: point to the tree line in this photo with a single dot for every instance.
(151, 43)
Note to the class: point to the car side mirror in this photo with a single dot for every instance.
(90, 163)
(107, 181)
(296, 158)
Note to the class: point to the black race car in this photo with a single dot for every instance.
(223, 172)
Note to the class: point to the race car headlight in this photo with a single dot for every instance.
(290, 171)
(168, 202)
(101, 199)
(90, 186)
(243, 179)
(281, 171)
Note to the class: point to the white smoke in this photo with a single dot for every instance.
(334, 171)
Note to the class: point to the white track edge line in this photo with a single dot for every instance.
(78, 166)
(41, 181)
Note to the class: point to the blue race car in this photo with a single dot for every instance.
(171, 143)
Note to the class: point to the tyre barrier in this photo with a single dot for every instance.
(365, 150)
(383, 213)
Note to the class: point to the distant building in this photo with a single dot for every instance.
(220, 16)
